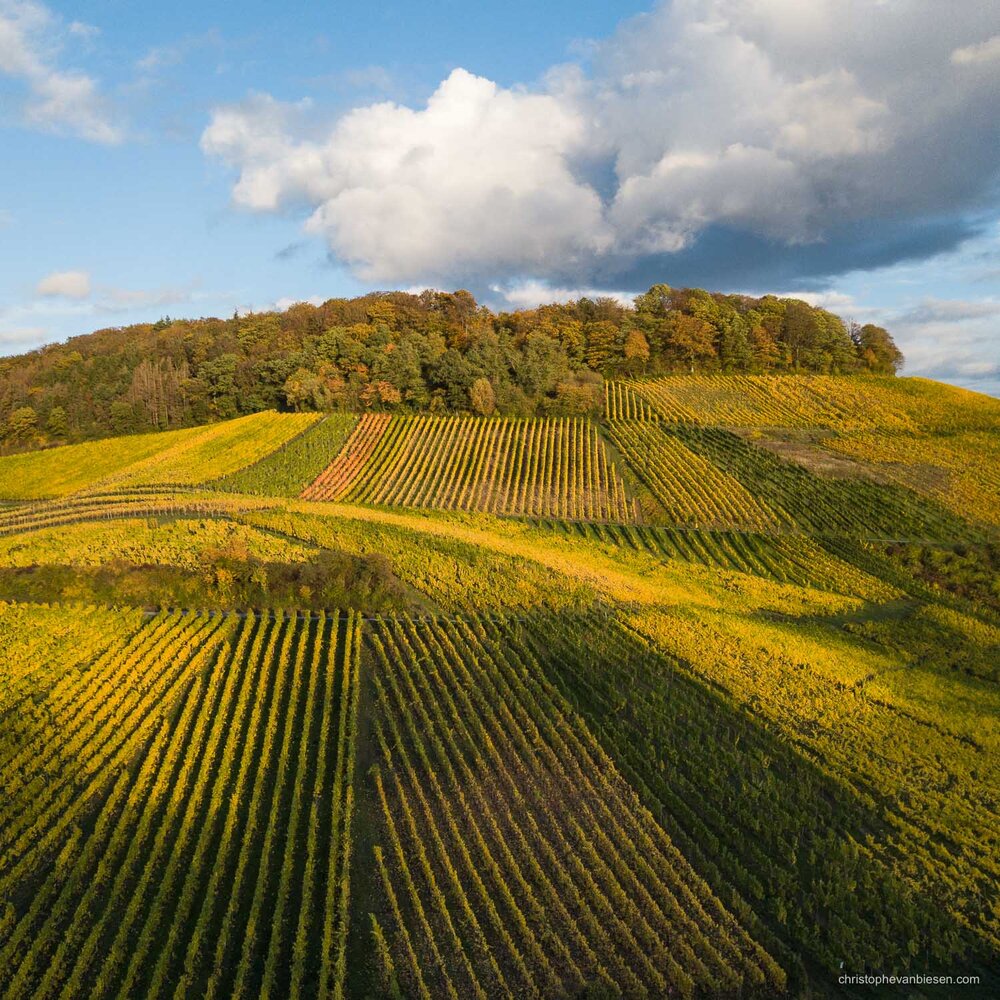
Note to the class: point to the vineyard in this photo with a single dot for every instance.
(186, 457)
(290, 469)
(501, 817)
(555, 467)
(698, 699)
(688, 488)
(179, 851)
(834, 402)
(822, 825)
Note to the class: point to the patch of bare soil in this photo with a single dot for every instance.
(804, 446)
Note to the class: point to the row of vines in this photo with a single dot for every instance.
(841, 403)
(551, 467)
(829, 851)
(177, 810)
(513, 859)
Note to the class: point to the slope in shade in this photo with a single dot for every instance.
(514, 859)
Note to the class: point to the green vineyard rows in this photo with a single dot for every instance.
(689, 489)
(854, 403)
(819, 865)
(824, 505)
(191, 801)
(185, 457)
(695, 700)
(290, 469)
(515, 859)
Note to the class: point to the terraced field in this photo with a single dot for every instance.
(677, 703)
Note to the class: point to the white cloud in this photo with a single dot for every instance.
(111, 300)
(952, 340)
(65, 284)
(286, 303)
(59, 100)
(988, 51)
(528, 294)
(936, 310)
(21, 337)
(82, 30)
(162, 57)
(479, 180)
(781, 119)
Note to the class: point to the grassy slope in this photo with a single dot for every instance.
(193, 455)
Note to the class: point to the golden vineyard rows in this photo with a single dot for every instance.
(182, 808)
(550, 467)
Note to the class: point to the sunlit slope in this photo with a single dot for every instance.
(293, 466)
(548, 467)
(864, 456)
(177, 816)
(833, 402)
(190, 456)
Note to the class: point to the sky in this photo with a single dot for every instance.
(195, 159)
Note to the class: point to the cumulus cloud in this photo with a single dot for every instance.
(799, 134)
(60, 100)
(988, 51)
(65, 284)
(477, 182)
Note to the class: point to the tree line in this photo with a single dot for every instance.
(439, 352)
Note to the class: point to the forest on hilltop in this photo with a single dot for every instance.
(392, 351)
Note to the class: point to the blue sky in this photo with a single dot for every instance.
(193, 159)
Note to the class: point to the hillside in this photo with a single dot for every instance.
(691, 694)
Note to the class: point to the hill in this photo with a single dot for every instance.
(430, 353)
(695, 695)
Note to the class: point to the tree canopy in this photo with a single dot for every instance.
(436, 351)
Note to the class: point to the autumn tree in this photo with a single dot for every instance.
(636, 351)
(57, 425)
(394, 350)
(690, 339)
(482, 397)
(877, 350)
(21, 425)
